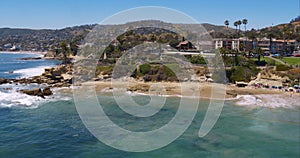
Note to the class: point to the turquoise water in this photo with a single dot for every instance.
(54, 129)
(51, 127)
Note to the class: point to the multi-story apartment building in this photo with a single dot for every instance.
(243, 44)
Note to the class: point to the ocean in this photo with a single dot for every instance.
(35, 127)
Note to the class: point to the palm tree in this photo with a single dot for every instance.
(236, 25)
(245, 22)
(239, 22)
(252, 36)
(226, 22)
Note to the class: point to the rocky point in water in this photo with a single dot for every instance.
(59, 76)
(37, 92)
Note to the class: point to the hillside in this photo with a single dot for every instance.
(282, 31)
(40, 40)
(47, 39)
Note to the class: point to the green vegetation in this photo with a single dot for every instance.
(104, 70)
(154, 72)
(138, 36)
(241, 73)
(168, 71)
(197, 59)
(282, 68)
(174, 67)
(291, 60)
(145, 68)
(269, 61)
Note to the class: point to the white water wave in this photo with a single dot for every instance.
(13, 98)
(269, 101)
(30, 72)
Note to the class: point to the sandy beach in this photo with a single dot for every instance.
(175, 89)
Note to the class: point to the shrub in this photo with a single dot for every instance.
(239, 73)
(282, 68)
(145, 68)
(198, 59)
(168, 71)
(261, 63)
(271, 63)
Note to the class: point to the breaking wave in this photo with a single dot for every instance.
(269, 101)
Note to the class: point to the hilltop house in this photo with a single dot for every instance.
(185, 46)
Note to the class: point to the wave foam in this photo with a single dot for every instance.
(30, 72)
(268, 100)
(13, 98)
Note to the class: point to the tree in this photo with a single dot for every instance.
(270, 36)
(245, 22)
(236, 25)
(239, 22)
(64, 49)
(73, 47)
(236, 60)
(226, 22)
(259, 52)
(252, 35)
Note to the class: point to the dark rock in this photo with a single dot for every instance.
(231, 93)
(47, 91)
(31, 58)
(33, 92)
(3, 81)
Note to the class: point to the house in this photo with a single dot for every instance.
(185, 46)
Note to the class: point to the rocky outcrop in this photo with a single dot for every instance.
(3, 81)
(59, 76)
(231, 93)
(33, 92)
(47, 91)
(38, 92)
(31, 58)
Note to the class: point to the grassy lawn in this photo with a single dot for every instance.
(291, 60)
(268, 60)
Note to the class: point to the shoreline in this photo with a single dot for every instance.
(174, 89)
(25, 52)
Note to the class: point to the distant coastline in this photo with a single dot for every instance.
(25, 52)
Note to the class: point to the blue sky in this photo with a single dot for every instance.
(39, 14)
